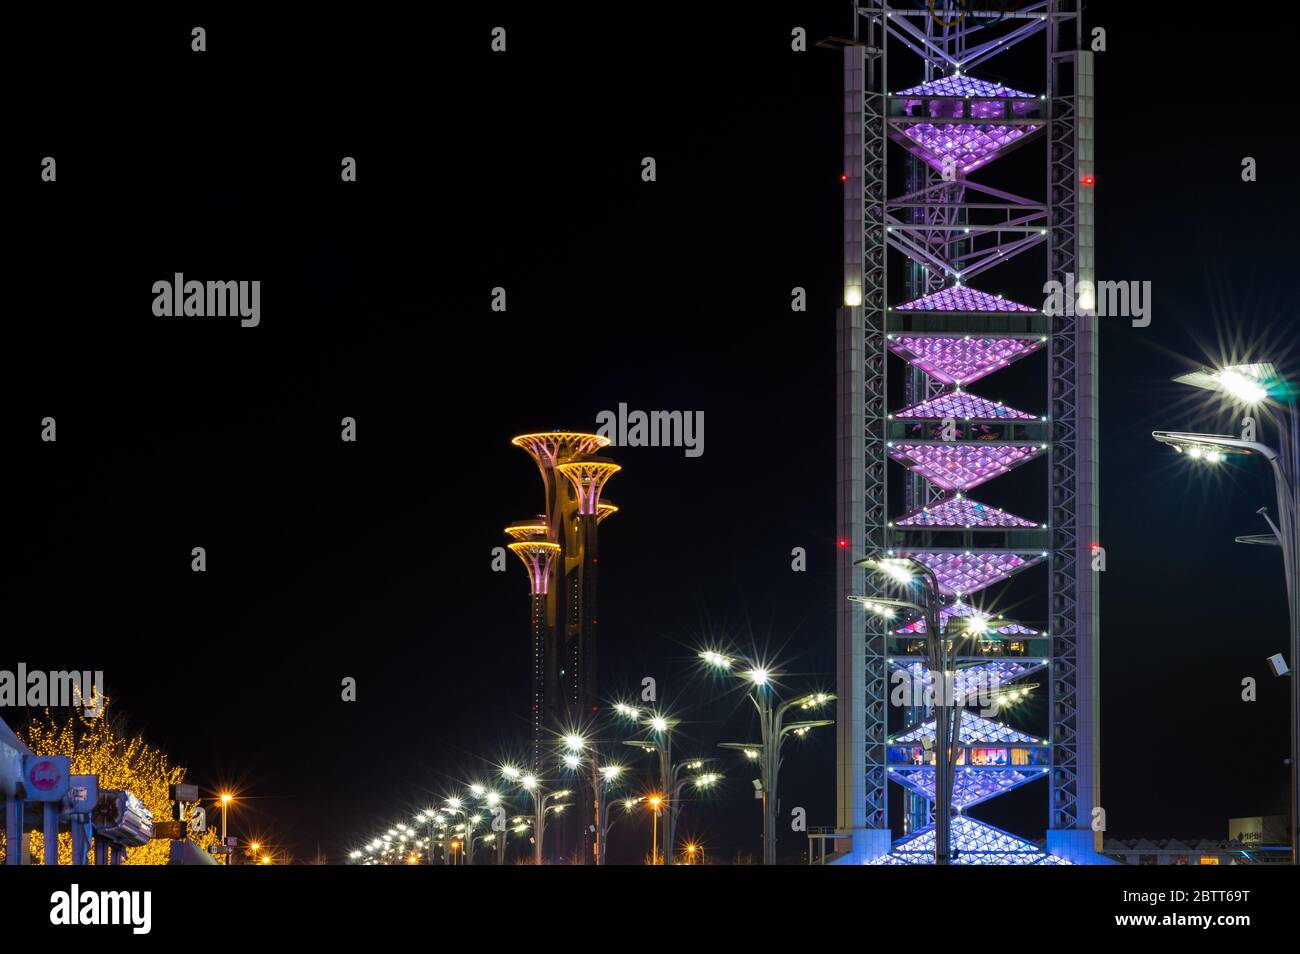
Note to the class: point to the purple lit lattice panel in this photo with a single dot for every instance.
(959, 298)
(961, 611)
(961, 512)
(961, 466)
(969, 145)
(971, 572)
(975, 730)
(960, 360)
(963, 406)
(975, 843)
(963, 86)
(968, 788)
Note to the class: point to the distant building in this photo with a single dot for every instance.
(1250, 841)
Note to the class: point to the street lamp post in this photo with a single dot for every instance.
(655, 802)
(659, 740)
(773, 731)
(542, 803)
(225, 846)
(907, 572)
(600, 777)
(1259, 385)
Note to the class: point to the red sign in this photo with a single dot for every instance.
(45, 776)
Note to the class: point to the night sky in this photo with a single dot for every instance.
(373, 560)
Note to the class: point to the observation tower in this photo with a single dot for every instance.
(939, 228)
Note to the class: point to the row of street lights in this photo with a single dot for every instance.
(582, 755)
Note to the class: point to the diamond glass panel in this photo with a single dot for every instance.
(961, 466)
(968, 788)
(960, 360)
(964, 406)
(975, 844)
(961, 512)
(959, 298)
(975, 730)
(959, 85)
(960, 573)
(967, 145)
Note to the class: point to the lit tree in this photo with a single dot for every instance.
(102, 747)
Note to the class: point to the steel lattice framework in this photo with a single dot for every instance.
(944, 231)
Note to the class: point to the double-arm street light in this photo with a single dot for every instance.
(773, 730)
(1260, 386)
(673, 777)
(543, 801)
(911, 574)
(581, 753)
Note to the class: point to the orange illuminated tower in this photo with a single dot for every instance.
(538, 554)
(565, 620)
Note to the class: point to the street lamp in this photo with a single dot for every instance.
(773, 731)
(656, 802)
(659, 728)
(1260, 385)
(909, 573)
(600, 777)
(226, 799)
(542, 803)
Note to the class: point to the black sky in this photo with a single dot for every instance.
(373, 560)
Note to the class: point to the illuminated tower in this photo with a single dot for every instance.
(565, 619)
(586, 476)
(927, 243)
(538, 553)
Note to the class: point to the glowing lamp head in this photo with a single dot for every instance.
(574, 742)
(510, 772)
(658, 723)
(896, 570)
(571, 760)
(1241, 386)
(759, 676)
(853, 296)
(715, 659)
